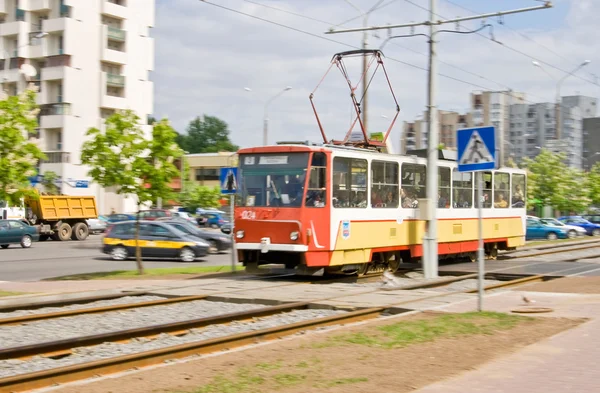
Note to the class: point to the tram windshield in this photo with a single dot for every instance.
(274, 179)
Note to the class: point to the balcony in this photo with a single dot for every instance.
(53, 115)
(113, 102)
(115, 34)
(115, 10)
(13, 64)
(58, 61)
(56, 25)
(114, 56)
(115, 80)
(13, 28)
(19, 15)
(57, 157)
(36, 5)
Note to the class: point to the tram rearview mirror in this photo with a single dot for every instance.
(424, 209)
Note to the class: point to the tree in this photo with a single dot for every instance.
(19, 154)
(554, 184)
(122, 158)
(203, 197)
(49, 182)
(206, 135)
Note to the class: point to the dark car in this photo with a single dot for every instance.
(154, 214)
(157, 240)
(17, 232)
(217, 241)
(593, 218)
(119, 217)
(591, 228)
(227, 228)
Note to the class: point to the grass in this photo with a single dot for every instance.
(405, 333)
(5, 293)
(547, 242)
(129, 274)
(340, 381)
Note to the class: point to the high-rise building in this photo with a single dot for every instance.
(91, 58)
(492, 108)
(415, 134)
(591, 142)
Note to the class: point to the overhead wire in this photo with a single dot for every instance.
(391, 42)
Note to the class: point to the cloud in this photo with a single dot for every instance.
(205, 56)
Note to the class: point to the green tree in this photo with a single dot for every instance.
(575, 195)
(122, 158)
(19, 155)
(206, 135)
(593, 181)
(49, 182)
(203, 197)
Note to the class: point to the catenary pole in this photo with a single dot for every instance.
(430, 260)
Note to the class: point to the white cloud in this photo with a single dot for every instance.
(205, 56)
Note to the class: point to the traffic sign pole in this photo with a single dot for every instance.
(233, 251)
(480, 266)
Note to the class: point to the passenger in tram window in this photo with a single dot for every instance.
(361, 199)
(485, 199)
(442, 200)
(501, 203)
(315, 198)
(376, 198)
(517, 194)
(390, 200)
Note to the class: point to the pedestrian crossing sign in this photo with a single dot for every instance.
(228, 180)
(476, 149)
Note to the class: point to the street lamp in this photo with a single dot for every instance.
(266, 118)
(558, 85)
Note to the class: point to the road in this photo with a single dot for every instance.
(52, 259)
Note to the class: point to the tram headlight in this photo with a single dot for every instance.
(294, 235)
(239, 234)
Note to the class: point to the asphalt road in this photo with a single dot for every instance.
(52, 259)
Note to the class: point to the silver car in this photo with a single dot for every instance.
(572, 230)
(97, 225)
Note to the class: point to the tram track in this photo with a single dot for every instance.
(57, 349)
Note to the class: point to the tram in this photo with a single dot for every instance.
(336, 209)
(352, 207)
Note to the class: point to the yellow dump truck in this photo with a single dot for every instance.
(61, 217)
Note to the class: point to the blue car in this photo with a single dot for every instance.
(591, 228)
(538, 230)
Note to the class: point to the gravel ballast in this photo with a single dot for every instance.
(108, 350)
(83, 306)
(83, 325)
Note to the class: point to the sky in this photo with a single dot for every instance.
(216, 61)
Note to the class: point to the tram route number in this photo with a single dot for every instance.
(248, 215)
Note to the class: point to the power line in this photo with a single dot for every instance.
(504, 45)
(355, 47)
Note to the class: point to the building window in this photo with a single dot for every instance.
(205, 174)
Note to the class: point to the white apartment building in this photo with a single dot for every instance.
(92, 57)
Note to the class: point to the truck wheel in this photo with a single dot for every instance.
(4, 246)
(80, 231)
(64, 232)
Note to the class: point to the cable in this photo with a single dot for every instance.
(504, 45)
(355, 47)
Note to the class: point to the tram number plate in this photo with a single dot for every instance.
(248, 215)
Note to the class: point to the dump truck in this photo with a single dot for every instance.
(61, 217)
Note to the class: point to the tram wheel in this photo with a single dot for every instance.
(362, 270)
(394, 262)
(473, 256)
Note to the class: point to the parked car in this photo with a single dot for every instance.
(572, 230)
(227, 228)
(185, 215)
(97, 225)
(214, 220)
(591, 228)
(157, 240)
(17, 232)
(593, 218)
(538, 230)
(217, 241)
(153, 214)
(118, 217)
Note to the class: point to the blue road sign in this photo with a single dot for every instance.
(228, 180)
(476, 148)
(82, 184)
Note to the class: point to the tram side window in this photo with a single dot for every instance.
(349, 182)
(412, 185)
(518, 190)
(487, 189)
(315, 195)
(384, 187)
(501, 190)
(443, 188)
(462, 189)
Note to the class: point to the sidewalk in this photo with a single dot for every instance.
(566, 362)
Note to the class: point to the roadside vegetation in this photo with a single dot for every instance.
(153, 273)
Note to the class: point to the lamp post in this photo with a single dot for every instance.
(558, 86)
(266, 118)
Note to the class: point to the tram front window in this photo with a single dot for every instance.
(273, 179)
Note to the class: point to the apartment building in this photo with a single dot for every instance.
(492, 108)
(415, 134)
(591, 142)
(92, 58)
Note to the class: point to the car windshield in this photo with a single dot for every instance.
(552, 221)
(579, 221)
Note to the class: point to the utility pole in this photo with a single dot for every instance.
(430, 257)
(365, 45)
